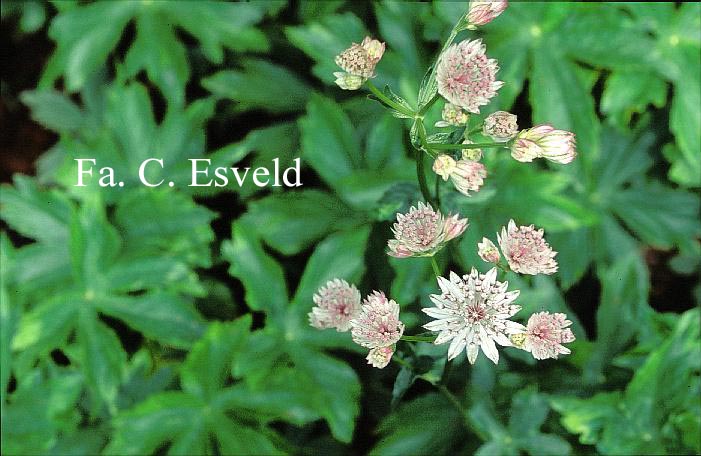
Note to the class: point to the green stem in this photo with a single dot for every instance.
(418, 338)
(453, 400)
(428, 105)
(401, 362)
(438, 146)
(421, 175)
(438, 190)
(436, 269)
(396, 106)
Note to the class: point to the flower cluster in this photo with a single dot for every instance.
(423, 231)
(358, 63)
(374, 324)
(472, 312)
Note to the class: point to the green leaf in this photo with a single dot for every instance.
(278, 222)
(685, 117)
(629, 92)
(238, 440)
(53, 110)
(158, 419)
(260, 85)
(207, 365)
(166, 318)
(340, 255)
(39, 215)
(102, 359)
(158, 51)
(262, 277)
(328, 143)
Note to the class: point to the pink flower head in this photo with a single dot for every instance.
(468, 176)
(473, 312)
(377, 325)
(501, 126)
(526, 251)
(380, 357)
(488, 251)
(481, 13)
(337, 303)
(361, 59)
(423, 231)
(546, 142)
(466, 77)
(545, 332)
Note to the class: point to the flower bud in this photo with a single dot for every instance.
(348, 81)
(444, 165)
(452, 116)
(380, 357)
(471, 154)
(481, 12)
(468, 176)
(544, 141)
(488, 251)
(501, 126)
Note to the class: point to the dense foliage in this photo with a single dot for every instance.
(136, 319)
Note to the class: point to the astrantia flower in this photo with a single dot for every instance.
(452, 116)
(526, 251)
(423, 231)
(360, 59)
(466, 77)
(378, 323)
(481, 13)
(337, 303)
(544, 141)
(380, 357)
(488, 251)
(501, 126)
(473, 313)
(444, 165)
(545, 332)
(468, 176)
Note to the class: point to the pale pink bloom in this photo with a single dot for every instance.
(452, 116)
(444, 165)
(337, 303)
(482, 12)
(361, 59)
(546, 142)
(423, 232)
(501, 126)
(377, 325)
(380, 357)
(348, 81)
(545, 332)
(526, 251)
(488, 251)
(471, 154)
(466, 77)
(468, 176)
(473, 313)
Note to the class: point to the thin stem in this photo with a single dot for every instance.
(394, 105)
(438, 190)
(421, 175)
(438, 146)
(428, 105)
(453, 400)
(401, 362)
(418, 338)
(436, 269)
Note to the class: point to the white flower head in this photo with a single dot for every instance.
(472, 312)
(544, 141)
(452, 116)
(377, 324)
(468, 176)
(501, 126)
(337, 303)
(423, 231)
(483, 12)
(526, 250)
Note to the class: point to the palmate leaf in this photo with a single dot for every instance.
(285, 355)
(86, 35)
